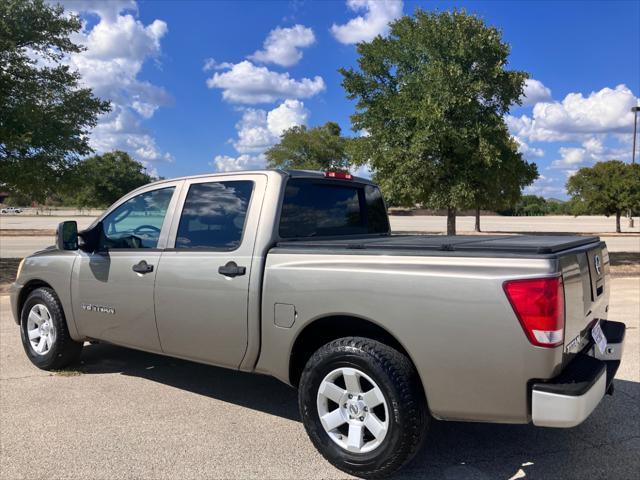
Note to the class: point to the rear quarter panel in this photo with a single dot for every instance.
(449, 313)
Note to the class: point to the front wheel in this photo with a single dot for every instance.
(44, 332)
(363, 407)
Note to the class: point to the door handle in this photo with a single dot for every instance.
(231, 269)
(142, 267)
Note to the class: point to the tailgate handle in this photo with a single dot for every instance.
(231, 269)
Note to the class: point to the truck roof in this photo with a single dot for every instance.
(284, 172)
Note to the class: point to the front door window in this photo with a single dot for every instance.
(137, 222)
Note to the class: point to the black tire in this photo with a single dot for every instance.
(398, 380)
(64, 349)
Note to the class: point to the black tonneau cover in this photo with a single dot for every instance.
(516, 244)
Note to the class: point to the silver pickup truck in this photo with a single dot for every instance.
(296, 275)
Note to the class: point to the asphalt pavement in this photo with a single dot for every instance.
(127, 414)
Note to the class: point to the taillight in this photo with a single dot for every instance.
(342, 175)
(539, 305)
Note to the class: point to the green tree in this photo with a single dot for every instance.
(44, 114)
(534, 205)
(100, 180)
(502, 174)
(428, 95)
(318, 148)
(609, 188)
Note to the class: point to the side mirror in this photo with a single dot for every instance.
(67, 235)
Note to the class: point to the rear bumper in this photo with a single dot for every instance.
(568, 399)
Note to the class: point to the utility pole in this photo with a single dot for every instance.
(635, 111)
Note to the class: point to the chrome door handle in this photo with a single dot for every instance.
(142, 267)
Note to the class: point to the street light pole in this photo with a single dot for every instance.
(635, 111)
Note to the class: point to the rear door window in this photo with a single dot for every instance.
(315, 208)
(214, 215)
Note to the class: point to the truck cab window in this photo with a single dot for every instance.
(313, 208)
(138, 221)
(214, 215)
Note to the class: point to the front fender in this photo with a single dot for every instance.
(50, 268)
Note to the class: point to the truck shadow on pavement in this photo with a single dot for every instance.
(258, 392)
(604, 446)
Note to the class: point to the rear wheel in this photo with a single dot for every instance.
(363, 407)
(44, 332)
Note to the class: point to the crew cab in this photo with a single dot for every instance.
(296, 274)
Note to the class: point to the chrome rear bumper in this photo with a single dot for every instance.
(568, 399)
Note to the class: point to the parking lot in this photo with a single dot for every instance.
(127, 414)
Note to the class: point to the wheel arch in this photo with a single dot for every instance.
(324, 329)
(29, 287)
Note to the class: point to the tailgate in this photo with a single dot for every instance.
(585, 273)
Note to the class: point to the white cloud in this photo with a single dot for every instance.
(226, 163)
(596, 127)
(259, 129)
(116, 49)
(577, 117)
(120, 129)
(547, 187)
(593, 150)
(247, 83)
(286, 115)
(528, 151)
(571, 156)
(283, 45)
(125, 38)
(105, 9)
(375, 21)
(535, 92)
(211, 64)
(253, 134)
(552, 186)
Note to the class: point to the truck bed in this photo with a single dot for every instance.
(483, 245)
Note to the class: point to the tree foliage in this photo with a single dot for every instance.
(609, 188)
(534, 205)
(432, 96)
(44, 114)
(100, 180)
(318, 148)
(503, 173)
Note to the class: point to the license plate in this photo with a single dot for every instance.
(598, 336)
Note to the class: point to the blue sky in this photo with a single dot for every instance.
(203, 86)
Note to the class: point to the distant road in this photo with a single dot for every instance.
(551, 223)
(44, 222)
(430, 224)
(20, 246)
